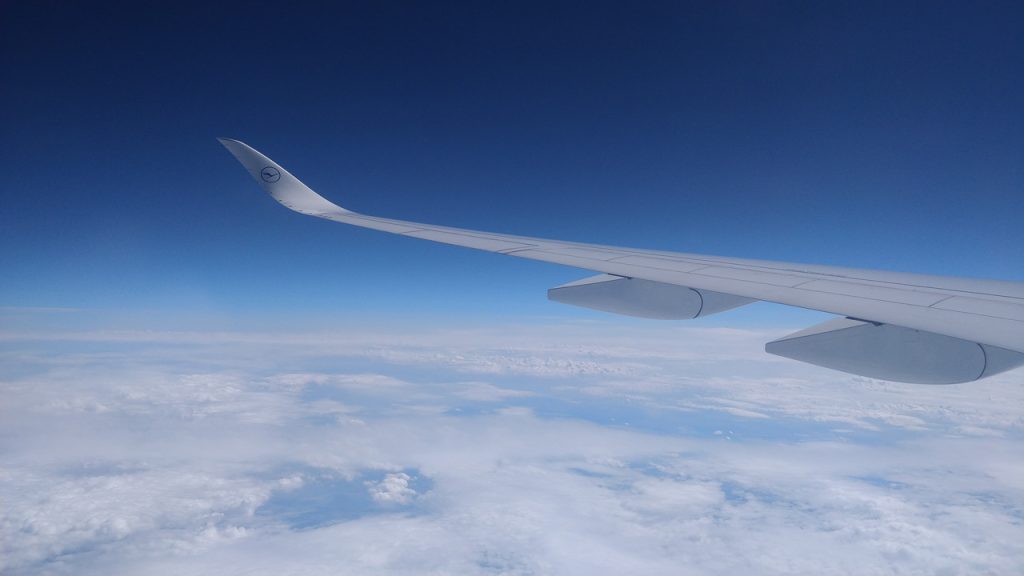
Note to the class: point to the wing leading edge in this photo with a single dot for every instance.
(895, 326)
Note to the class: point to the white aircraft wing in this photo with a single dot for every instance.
(894, 326)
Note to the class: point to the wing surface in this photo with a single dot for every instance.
(987, 316)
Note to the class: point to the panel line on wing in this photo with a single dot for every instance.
(467, 240)
(980, 307)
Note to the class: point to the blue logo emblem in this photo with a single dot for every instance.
(270, 174)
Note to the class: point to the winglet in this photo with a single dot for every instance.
(279, 183)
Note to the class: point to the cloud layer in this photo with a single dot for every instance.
(558, 448)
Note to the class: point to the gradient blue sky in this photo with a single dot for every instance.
(883, 135)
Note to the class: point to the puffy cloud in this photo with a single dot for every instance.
(394, 488)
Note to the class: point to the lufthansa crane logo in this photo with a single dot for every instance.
(270, 174)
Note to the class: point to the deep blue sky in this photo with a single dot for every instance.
(884, 135)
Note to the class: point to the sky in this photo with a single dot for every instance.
(195, 380)
(881, 135)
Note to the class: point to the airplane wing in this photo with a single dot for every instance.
(894, 326)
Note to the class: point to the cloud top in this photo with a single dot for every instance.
(512, 450)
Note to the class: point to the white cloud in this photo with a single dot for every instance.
(394, 488)
(484, 392)
(516, 450)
